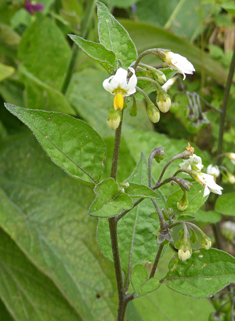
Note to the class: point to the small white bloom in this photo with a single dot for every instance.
(120, 86)
(164, 104)
(178, 63)
(232, 157)
(184, 253)
(209, 184)
(169, 83)
(231, 179)
(192, 163)
(213, 170)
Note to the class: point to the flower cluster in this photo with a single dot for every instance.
(124, 84)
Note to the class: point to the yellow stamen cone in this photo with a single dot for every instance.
(118, 102)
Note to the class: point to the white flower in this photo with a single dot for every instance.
(208, 182)
(169, 83)
(184, 253)
(120, 86)
(178, 63)
(192, 163)
(232, 157)
(213, 170)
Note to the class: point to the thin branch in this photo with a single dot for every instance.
(155, 264)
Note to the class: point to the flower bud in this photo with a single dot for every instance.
(231, 178)
(159, 76)
(124, 184)
(206, 242)
(184, 253)
(133, 109)
(163, 101)
(153, 113)
(182, 204)
(113, 119)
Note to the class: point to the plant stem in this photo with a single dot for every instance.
(84, 29)
(113, 232)
(155, 264)
(216, 227)
(224, 107)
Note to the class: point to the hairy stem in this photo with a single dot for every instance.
(113, 232)
(155, 264)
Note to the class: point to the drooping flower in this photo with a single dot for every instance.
(208, 182)
(206, 242)
(32, 8)
(163, 101)
(232, 157)
(213, 170)
(184, 253)
(178, 63)
(120, 86)
(192, 163)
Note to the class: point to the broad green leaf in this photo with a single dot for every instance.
(207, 216)
(39, 95)
(70, 143)
(45, 212)
(109, 201)
(165, 304)
(229, 6)
(21, 17)
(88, 97)
(44, 51)
(140, 282)
(97, 52)
(146, 36)
(225, 204)
(195, 198)
(5, 71)
(115, 38)
(26, 291)
(202, 275)
(137, 243)
(140, 191)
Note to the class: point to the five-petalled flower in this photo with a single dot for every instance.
(178, 63)
(208, 182)
(121, 86)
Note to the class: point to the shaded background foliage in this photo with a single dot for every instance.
(51, 266)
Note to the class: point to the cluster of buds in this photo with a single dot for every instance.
(184, 244)
(124, 84)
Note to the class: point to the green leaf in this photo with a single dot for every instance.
(70, 143)
(195, 198)
(207, 216)
(45, 52)
(39, 95)
(5, 71)
(146, 36)
(140, 282)
(137, 243)
(225, 204)
(229, 6)
(20, 279)
(115, 38)
(140, 191)
(45, 212)
(165, 304)
(109, 201)
(202, 275)
(97, 52)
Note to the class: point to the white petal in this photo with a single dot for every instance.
(206, 191)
